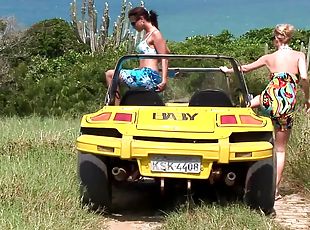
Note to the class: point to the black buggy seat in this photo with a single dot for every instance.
(210, 97)
(141, 97)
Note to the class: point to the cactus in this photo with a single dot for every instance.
(91, 24)
(104, 27)
(302, 47)
(75, 23)
(306, 51)
(266, 50)
(88, 33)
(308, 54)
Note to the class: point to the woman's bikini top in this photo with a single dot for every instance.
(144, 48)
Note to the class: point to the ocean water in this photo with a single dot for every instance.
(179, 19)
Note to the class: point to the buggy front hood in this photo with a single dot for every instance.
(176, 119)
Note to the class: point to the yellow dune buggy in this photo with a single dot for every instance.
(199, 129)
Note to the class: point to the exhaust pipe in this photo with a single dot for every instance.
(119, 174)
(230, 178)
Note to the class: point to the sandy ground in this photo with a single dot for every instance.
(136, 207)
(293, 210)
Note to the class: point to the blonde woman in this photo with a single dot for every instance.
(287, 68)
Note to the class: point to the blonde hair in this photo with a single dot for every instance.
(284, 32)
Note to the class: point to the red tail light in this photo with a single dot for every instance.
(247, 119)
(102, 117)
(228, 119)
(123, 117)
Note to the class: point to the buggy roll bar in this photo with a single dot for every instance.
(110, 96)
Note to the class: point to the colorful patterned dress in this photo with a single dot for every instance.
(279, 98)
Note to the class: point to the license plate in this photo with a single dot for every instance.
(178, 164)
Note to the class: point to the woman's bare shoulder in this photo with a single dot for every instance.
(267, 57)
(157, 34)
(298, 53)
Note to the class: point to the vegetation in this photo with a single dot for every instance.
(297, 168)
(71, 83)
(51, 39)
(38, 185)
(97, 36)
(49, 73)
(39, 189)
(9, 37)
(215, 217)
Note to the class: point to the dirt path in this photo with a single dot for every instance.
(135, 208)
(133, 225)
(293, 210)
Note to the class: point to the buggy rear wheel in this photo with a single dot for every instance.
(95, 184)
(260, 185)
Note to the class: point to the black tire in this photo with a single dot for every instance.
(95, 183)
(260, 185)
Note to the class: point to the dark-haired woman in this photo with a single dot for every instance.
(147, 75)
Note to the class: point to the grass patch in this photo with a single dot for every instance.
(39, 189)
(20, 134)
(38, 184)
(298, 157)
(236, 216)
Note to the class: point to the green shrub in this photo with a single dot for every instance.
(51, 38)
(69, 84)
(2, 25)
(52, 74)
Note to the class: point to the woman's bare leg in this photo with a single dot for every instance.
(255, 102)
(281, 139)
(109, 76)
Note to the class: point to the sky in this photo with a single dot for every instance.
(179, 19)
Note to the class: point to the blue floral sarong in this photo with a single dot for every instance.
(144, 77)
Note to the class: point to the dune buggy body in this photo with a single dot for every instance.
(200, 127)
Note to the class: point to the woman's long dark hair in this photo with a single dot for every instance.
(150, 16)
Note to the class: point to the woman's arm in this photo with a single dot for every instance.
(302, 68)
(254, 65)
(249, 67)
(161, 48)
